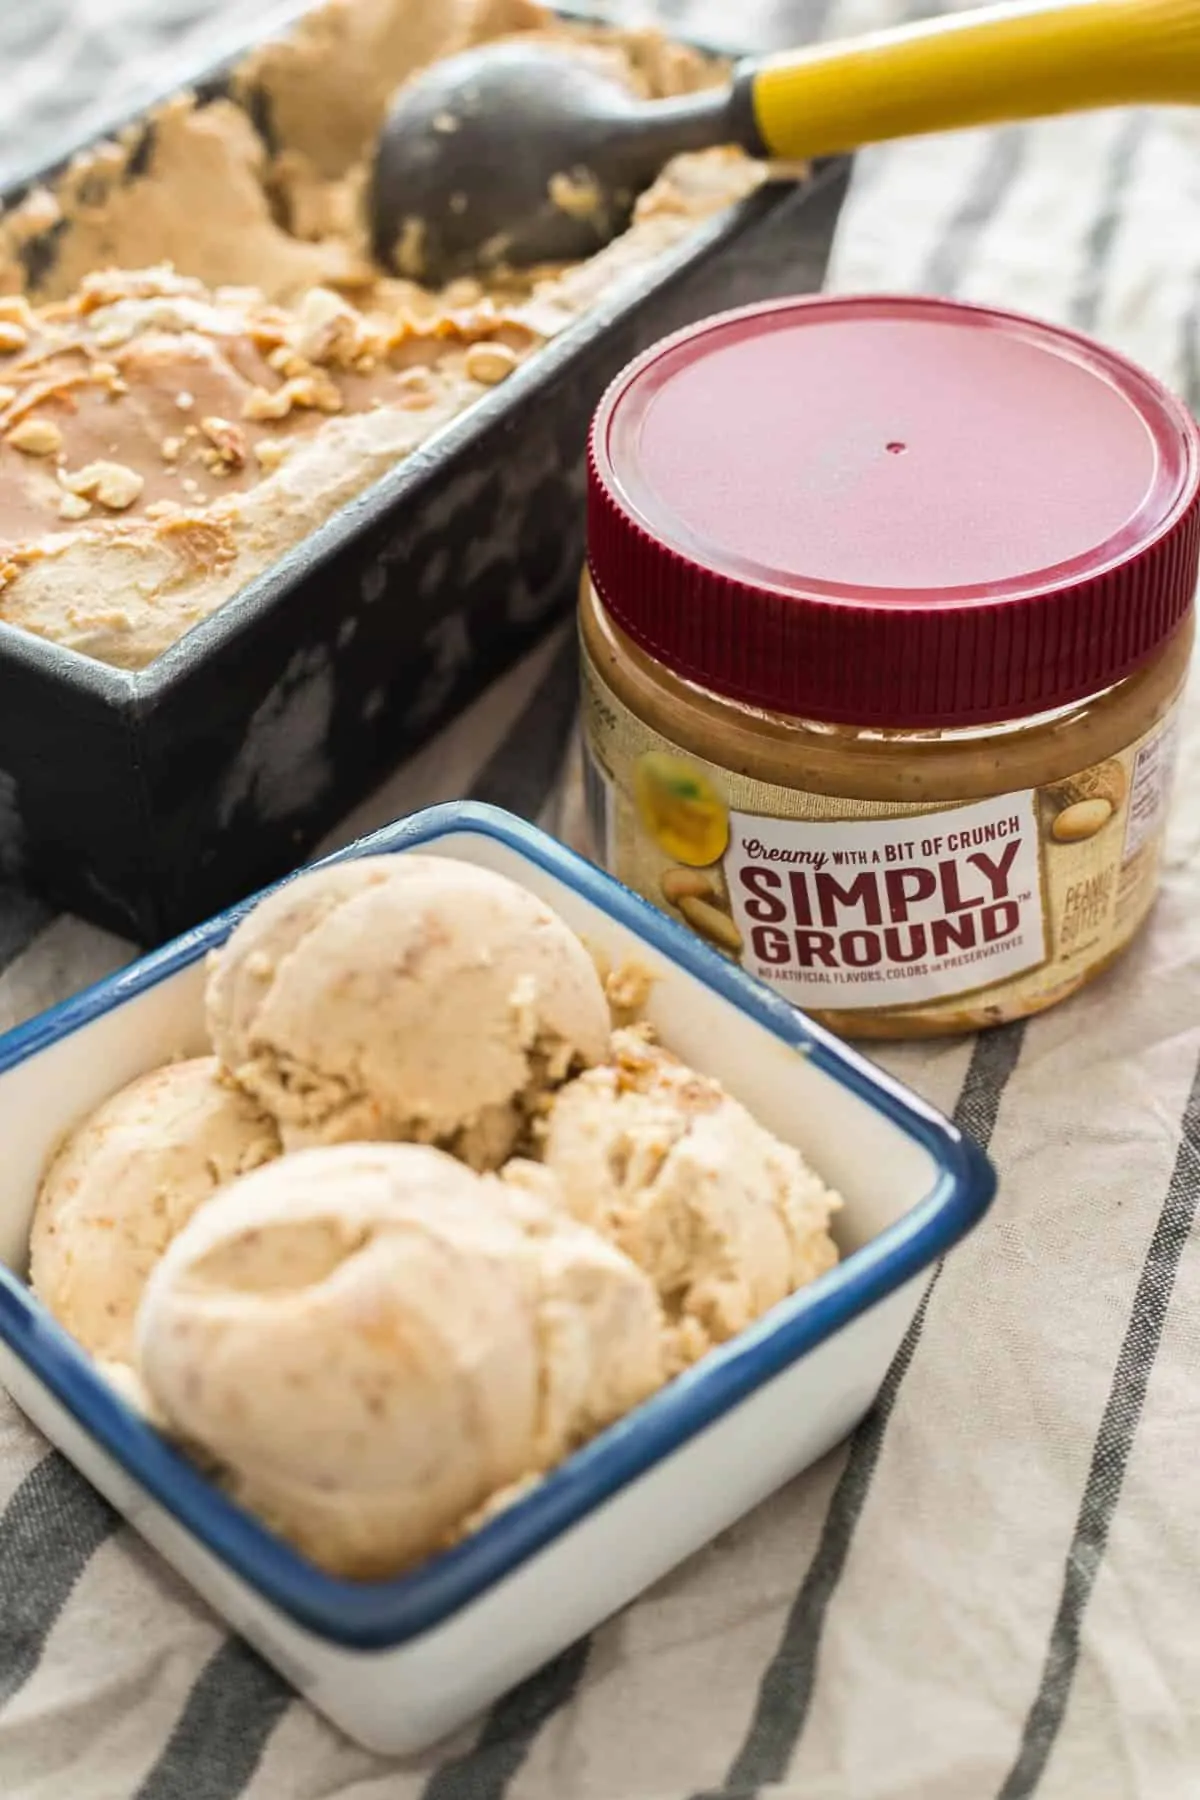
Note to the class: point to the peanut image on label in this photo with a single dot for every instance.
(686, 884)
(1083, 820)
(708, 921)
(680, 810)
(1084, 803)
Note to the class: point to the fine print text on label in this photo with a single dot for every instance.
(1150, 788)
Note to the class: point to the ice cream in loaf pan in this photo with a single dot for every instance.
(496, 1225)
(206, 364)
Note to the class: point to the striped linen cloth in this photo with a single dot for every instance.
(992, 1590)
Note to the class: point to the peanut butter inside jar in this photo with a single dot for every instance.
(887, 619)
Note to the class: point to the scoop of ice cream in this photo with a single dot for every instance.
(125, 1183)
(373, 1341)
(725, 1218)
(405, 998)
(600, 1324)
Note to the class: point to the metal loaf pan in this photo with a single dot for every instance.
(148, 801)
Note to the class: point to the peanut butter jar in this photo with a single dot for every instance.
(888, 610)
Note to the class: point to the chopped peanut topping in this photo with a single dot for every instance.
(112, 333)
(12, 338)
(36, 437)
(331, 331)
(316, 392)
(228, 444)
(106, 286)
(490, 363)
(111, 483)
(107, 375)
(287, 361)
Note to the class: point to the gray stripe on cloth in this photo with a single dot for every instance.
(485, 1771)
(219, 1738)
(53, 1524)
(1110, 1457)
(786, 1689)
(524, 766)
(1083, 311)
(951, 256)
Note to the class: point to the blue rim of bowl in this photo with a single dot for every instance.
(384, 1614)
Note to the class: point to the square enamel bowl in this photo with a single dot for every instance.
(399, 1663)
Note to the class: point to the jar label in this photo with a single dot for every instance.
(847, 905)
(889, 912)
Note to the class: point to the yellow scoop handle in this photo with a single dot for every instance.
(977, 68)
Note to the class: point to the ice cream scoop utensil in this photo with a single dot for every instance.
(521, 153)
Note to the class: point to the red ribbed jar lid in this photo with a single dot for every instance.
(890, 511)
